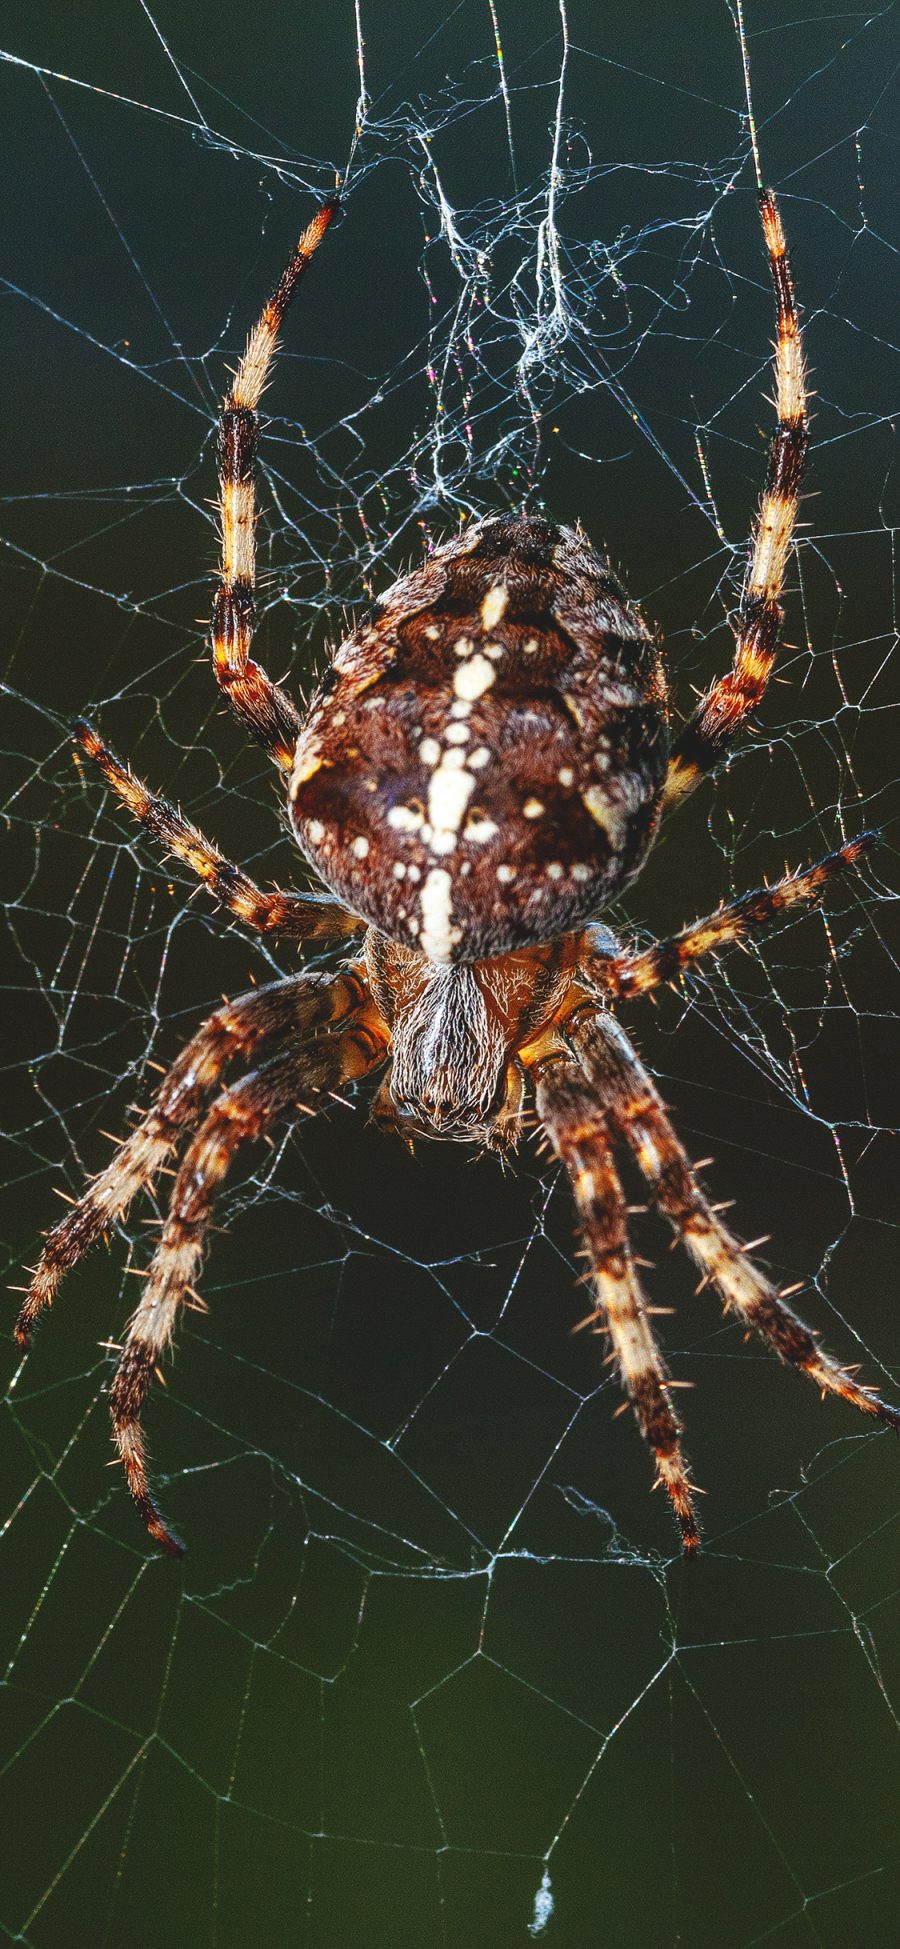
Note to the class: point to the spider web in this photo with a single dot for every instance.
(432, 1670)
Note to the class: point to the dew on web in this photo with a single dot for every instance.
(432, 1668)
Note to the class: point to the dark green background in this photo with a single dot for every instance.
(430, 1626)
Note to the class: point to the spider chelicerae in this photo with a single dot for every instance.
(483, 767)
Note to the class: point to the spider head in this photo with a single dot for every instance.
(450, 1056)
(455, 1036)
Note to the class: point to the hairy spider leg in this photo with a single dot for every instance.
(569, 1111)
(715, 724)
(261, 705)
(624, 975)
(299, 916)
(242, 1114)
(293, 1007)
(637, 1113)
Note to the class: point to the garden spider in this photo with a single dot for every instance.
(481, 770)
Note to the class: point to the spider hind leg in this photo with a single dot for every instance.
(640, 1118)
(286, 1007)
(242, 1114)
(568, 1109)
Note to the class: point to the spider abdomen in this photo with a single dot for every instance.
(483, 767)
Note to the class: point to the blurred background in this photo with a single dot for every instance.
(432, 1670)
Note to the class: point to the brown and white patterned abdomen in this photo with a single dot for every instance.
(482, 767)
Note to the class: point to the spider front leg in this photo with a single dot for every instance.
(297, 1077)
(711, 731)
(261, 705)
(574, 1119)
(637, 1113)
(291, 1007)
(297, 916)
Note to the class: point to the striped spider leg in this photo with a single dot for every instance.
(316, 1016)
(295, 1077)
(261, 705)
(604, 1099)
(627, 1110)
(577, 1124)
(297, 916)
(621, 974)
(719, 717)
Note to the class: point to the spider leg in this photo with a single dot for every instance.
(291, 1007)
(569, 1110)
(719, 717)
(625, 975)
(300, 916)
(243, 1113)
(261, 705)
(638, 1114)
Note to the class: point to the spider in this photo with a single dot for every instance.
(483, 767)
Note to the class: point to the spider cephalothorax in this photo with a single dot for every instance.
(456, 1033)
(485, 763)
(482, 770)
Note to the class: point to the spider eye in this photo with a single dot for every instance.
(441, 1107)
